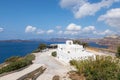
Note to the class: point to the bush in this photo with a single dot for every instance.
(42, 46)
(99, 68)
(35, 51)
(21, 62)
(12, 59)
(76, 42)
(56, 77)
(29, 57)
(73, 62)
(84, 44)
(54, 54)
(14, 66)
(118, 52)
(81, 43)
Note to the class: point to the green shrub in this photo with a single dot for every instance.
(30, 57)
(73, 62)
(54, 54)
(42, 46)
(118, 52)
(77, 42)
(81, 43)
(21, 62)
(99, 68)
(35, 51)
(14, 66)
(12, 59)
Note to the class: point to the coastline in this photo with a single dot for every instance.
(9, 49)
(53, 66)
(95, 50)
(42, 59)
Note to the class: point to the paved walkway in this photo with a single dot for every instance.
(54, 67)
(16, 75)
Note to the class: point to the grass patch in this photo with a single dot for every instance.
(99, 68)
(15, 63)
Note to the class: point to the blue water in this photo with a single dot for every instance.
(8, 49)
(93, 44)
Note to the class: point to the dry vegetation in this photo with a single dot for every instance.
(99, 68)
(15, 63)
(101, 49)
(56, 77)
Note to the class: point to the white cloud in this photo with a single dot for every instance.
(60, 32)
(82, 8)
(73, 27)
(35, 30)
(30, 29)
(50, 31)
(88, 29)
(71, 3)
(58, 27)
(1, 29)
(112, 17)
(106, 32)
(71, 32)
(40, 32)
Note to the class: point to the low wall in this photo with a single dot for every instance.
(34, 74)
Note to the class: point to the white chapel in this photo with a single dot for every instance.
(69, 51)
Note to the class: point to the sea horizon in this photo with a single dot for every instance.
(9, 49)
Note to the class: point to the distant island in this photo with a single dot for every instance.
(112, 41)
(15, 40)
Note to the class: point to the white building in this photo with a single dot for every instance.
(69, 51)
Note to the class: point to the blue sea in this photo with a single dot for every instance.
(8, 49)
(93, 44)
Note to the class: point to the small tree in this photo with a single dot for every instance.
(54, 54)
(42, 46)
(118, 52)
(76, 42)
(85, 45)
(81, 43)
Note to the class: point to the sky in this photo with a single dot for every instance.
(43, 19)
